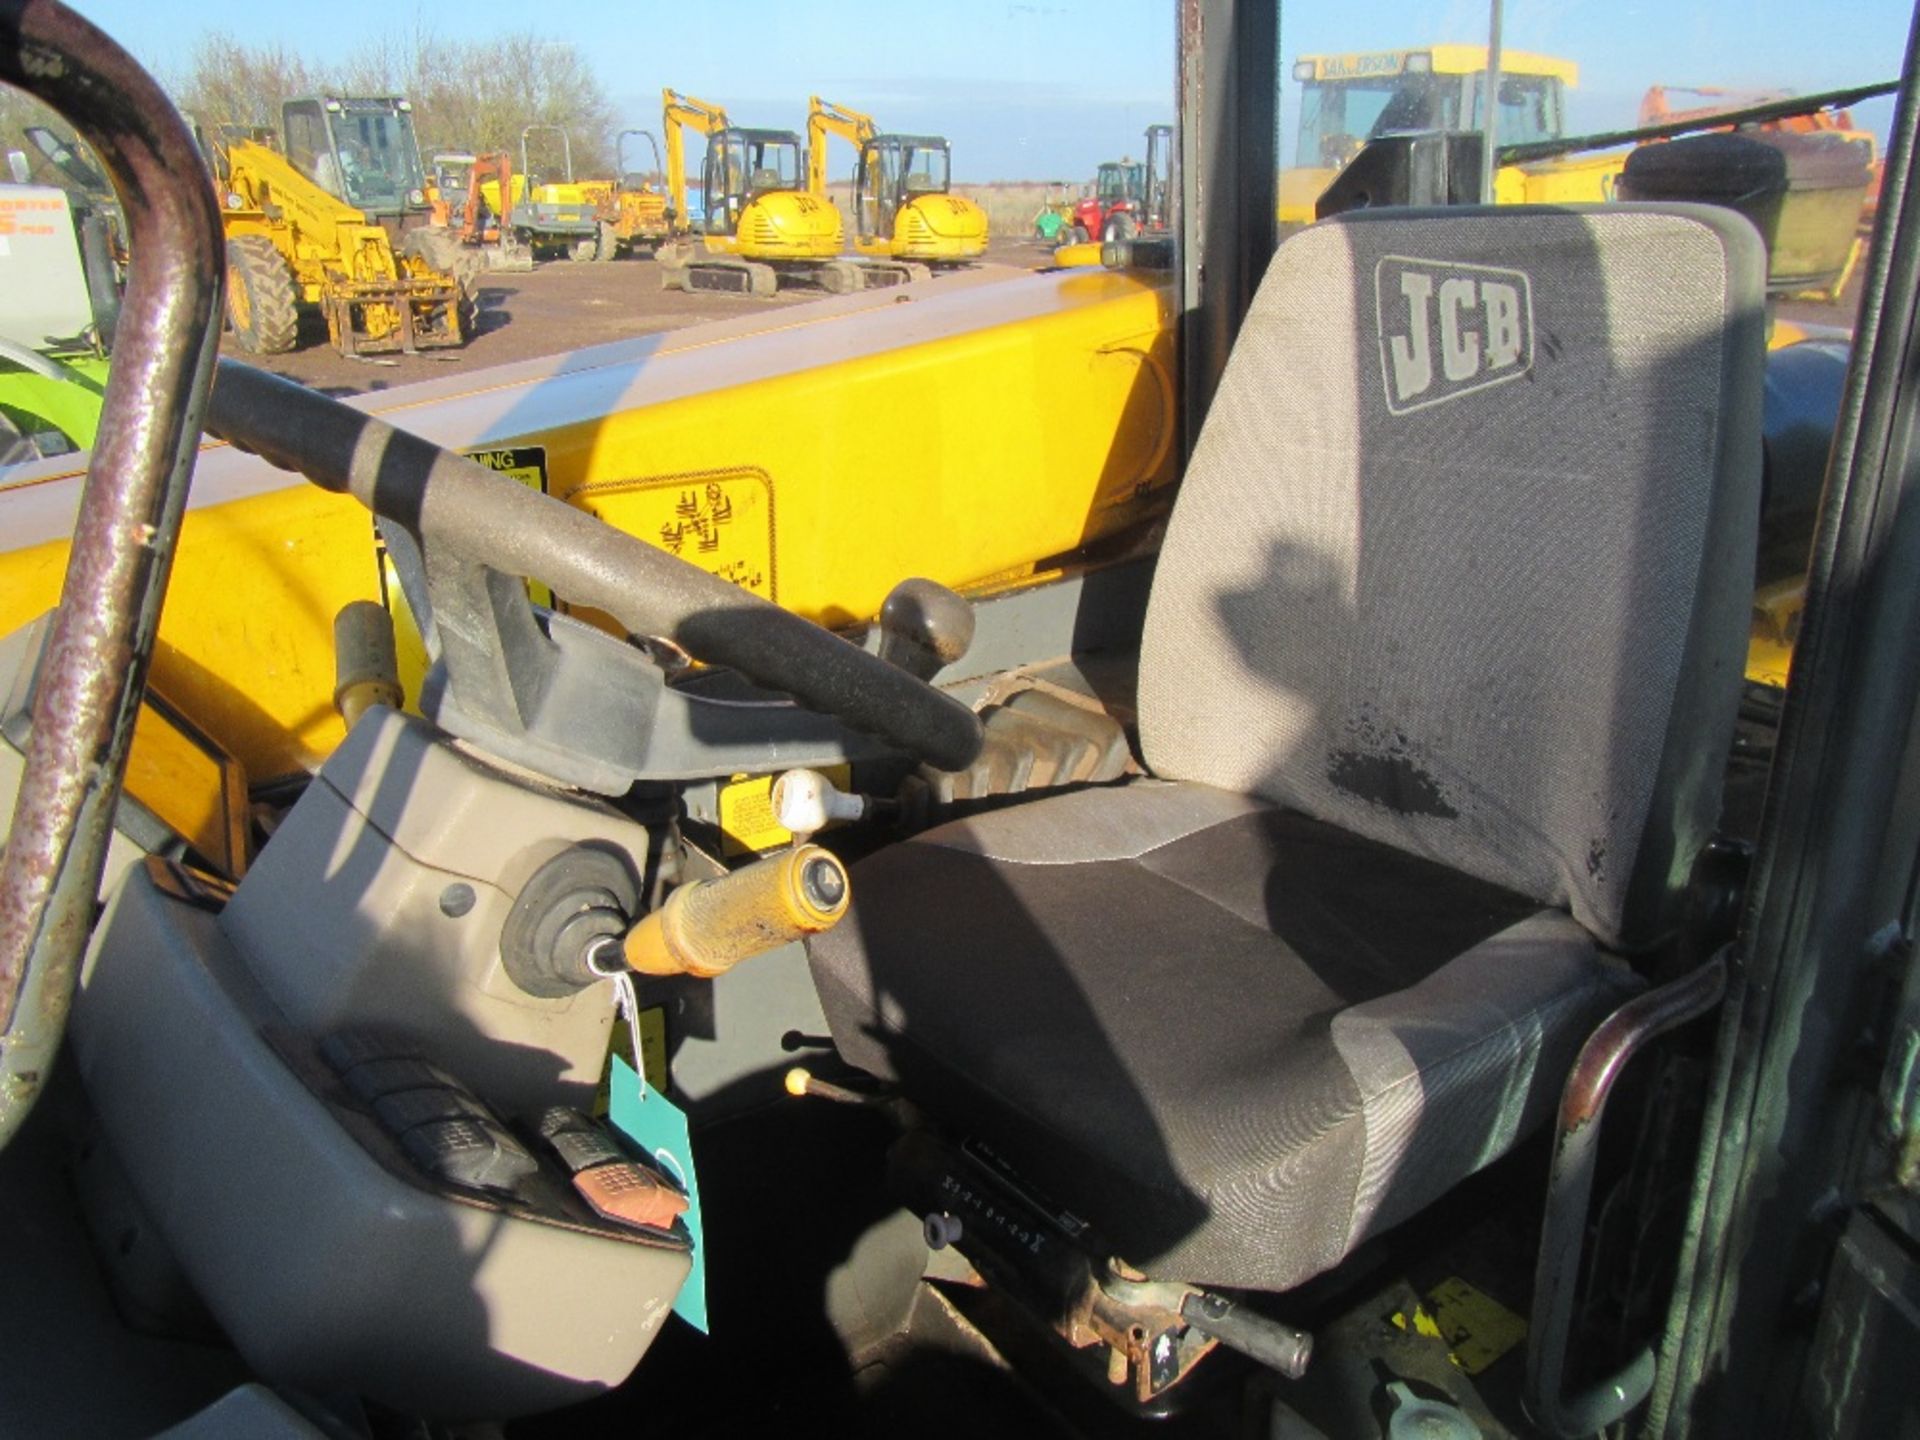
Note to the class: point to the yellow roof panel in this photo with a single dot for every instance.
(1441, 59)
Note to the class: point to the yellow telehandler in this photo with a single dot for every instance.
(293, 242)
(1348, 99)
(759, 228)
(902, 207)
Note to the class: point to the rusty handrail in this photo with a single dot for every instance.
(1620, 1037)
(95, 664)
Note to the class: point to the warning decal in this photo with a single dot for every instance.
(720, 520)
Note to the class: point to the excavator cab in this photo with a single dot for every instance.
(743, 165)
(362, 150)
(894, 170)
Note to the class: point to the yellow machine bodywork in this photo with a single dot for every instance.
(339, 261)
(516, 189)
(932, 228)
(780, 225)
(638, 216)
(816, 482)
(1582, 179)
(1434, 60)
(785, 225)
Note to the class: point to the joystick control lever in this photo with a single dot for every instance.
(706, 927)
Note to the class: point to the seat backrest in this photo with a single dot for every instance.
(1464, 558)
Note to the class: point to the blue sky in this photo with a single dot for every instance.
(1046, 89)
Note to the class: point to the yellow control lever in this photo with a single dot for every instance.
(706, 927)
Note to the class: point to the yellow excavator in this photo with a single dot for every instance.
(757, 224)
(293, 243)
(902, 207)
(759, 229)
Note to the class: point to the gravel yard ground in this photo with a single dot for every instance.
(558, 306)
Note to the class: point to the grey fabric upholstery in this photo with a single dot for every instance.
(1441, 667)
(1239, 1047)
(1473, 628)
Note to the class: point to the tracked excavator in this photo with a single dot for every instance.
(473, 202)
(760, 229)
(903, 208)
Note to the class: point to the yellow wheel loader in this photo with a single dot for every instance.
(1349, 99)
(292, 244)
(902, 206)
(759, 228)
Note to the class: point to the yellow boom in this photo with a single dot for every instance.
(824, 120)
(291, 243)
(683, 112)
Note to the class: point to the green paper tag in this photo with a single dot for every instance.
(657, 1126)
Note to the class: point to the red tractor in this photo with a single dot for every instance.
(1130, 197)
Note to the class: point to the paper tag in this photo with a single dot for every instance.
(658, 1127)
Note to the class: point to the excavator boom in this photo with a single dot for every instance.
(683, 112)
(824, 120)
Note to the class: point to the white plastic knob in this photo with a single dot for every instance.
(805, 800)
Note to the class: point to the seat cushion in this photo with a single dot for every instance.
(1235, 1039)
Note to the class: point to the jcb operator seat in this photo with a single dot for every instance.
(1439, 674)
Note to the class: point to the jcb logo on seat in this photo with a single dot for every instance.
(1448, 329)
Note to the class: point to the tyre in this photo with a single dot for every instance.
(443, 254)
(1079, 236)
(262, 304)
(606, 243)
(467, 267)
(585, 248)
(435, 245)
(1118, 227)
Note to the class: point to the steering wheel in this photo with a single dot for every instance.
(451, 502)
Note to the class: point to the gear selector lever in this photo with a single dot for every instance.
(924, 627)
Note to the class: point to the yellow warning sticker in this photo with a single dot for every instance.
(528, 465)
(746, 811)
(1476, 1328)
(721, 521)
(525, 463)
(653, 1038)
